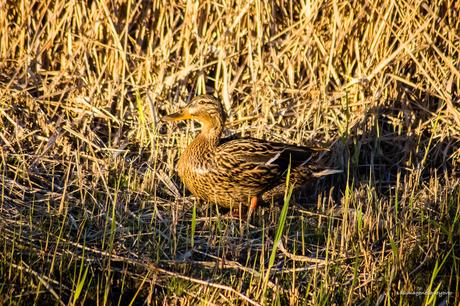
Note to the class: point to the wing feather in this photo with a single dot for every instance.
(257, 163)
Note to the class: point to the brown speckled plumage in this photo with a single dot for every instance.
(237, 171)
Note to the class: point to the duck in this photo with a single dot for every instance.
(237, 171)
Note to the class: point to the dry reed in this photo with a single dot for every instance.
(91, 210)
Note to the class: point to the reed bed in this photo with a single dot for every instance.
(91, 208)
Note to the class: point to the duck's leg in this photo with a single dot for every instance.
(252, 206)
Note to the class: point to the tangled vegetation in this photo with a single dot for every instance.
(92, 210)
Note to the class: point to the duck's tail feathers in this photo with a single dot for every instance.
(326, 172)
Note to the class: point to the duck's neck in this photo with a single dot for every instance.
(211, 131)
(210, 135)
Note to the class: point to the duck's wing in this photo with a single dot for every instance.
(257, 163)
(229, 138)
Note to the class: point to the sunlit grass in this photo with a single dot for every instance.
(92, 212)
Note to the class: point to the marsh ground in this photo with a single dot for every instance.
(91, 210)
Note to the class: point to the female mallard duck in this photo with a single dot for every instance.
(237, 171)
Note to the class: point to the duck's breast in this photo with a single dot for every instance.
(195, 170)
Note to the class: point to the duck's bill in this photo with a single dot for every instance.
(180, 115)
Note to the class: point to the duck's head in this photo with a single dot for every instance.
(205, 109)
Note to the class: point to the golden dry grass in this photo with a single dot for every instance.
(91, 210)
